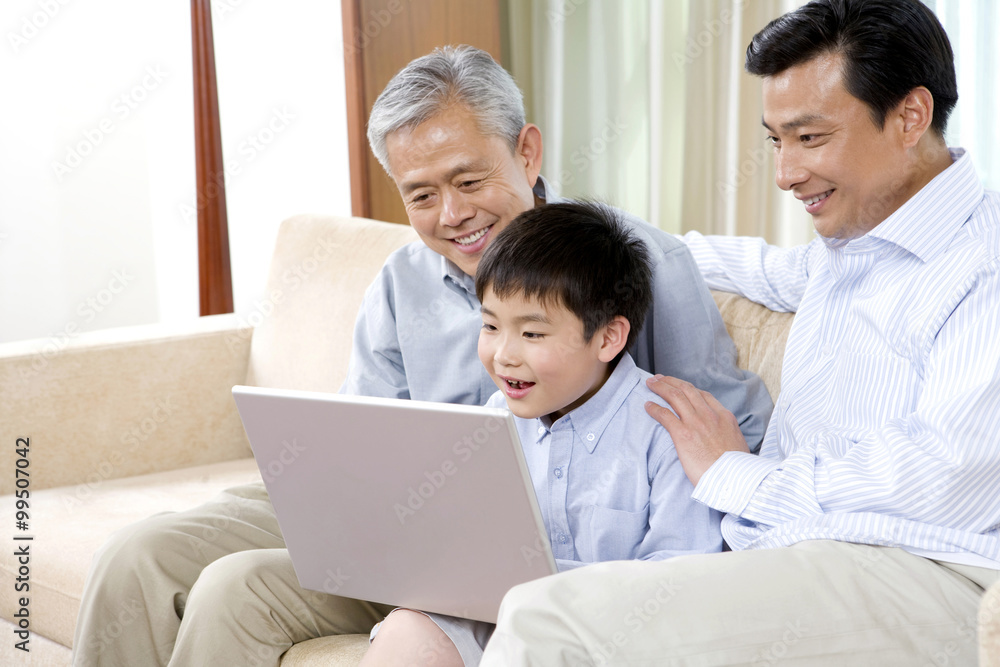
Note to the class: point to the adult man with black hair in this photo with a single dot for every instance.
(869, 526)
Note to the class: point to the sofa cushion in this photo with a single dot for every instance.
(318, 276)
(43, 652)
(70, 524)
(760, 335)
(339, 651)
(989, 628)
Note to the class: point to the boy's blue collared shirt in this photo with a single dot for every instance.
(608, 481)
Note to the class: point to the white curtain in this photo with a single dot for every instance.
(640, 103)
(645, 104)
(973, 28)
(728, 168)
(586, 70)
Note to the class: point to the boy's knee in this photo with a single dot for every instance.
(411, 637)
(401, 621)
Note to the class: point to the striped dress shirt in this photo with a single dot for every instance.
(887, 429)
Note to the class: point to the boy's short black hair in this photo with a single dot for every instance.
(889, 47)
(580, 255)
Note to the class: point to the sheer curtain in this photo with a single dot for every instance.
(589, 79)
(728, 169)
(645, 104)
(973, 27)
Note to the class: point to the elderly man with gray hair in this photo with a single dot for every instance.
(450, 131)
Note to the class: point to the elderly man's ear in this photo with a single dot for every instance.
(529, 152)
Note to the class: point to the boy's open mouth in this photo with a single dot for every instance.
(518, 384)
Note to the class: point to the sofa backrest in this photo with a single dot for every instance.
(305, 321)
(760, 335)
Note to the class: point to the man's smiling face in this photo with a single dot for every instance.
(460, 187)
(849, 174)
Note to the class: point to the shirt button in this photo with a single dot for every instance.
(557, 472)
(590, 437)
(541, 430)
(827, 350)
(563, 539)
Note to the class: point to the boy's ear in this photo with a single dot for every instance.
(613, 335)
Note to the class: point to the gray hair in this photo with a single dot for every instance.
(449, 75)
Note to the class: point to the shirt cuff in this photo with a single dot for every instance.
(729, 484)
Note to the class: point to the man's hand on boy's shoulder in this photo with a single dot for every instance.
(702, 428)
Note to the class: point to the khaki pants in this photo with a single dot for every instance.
(815, 603)
(209, 586)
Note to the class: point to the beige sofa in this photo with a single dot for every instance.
(130, 422)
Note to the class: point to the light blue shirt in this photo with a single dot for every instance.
(887, 429)
(418, 328)
(608, 482)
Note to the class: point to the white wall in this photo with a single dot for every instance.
(97, 155)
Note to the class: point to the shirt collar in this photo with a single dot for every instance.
(457, 278)
(927, 222)
(591, 419)
(544, 191)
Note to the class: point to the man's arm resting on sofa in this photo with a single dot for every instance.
(769, 275)
(123, 402)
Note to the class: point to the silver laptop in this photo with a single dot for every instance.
(408, 503)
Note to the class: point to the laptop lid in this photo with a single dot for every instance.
(409, 503)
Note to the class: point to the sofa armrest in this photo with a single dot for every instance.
(122, 402)
(989, 627)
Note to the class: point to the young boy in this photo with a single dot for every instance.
(560, 288)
